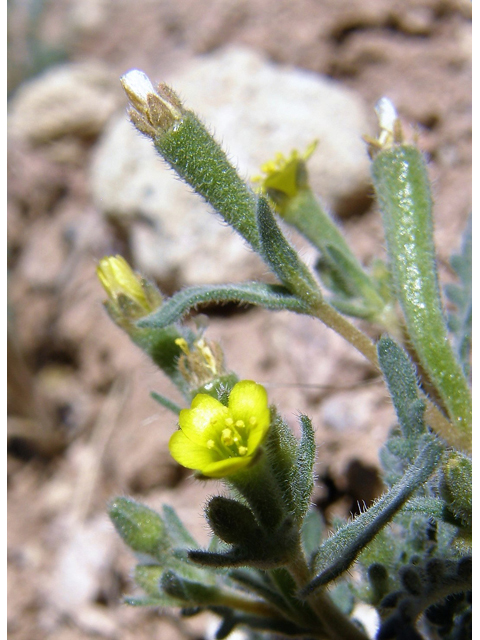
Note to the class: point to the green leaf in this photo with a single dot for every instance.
(401, 380)
(339, 552)
(140, 527)
(302, 476)
(231, 520)
(274, 297)
(166, 402)
(283, 259)
(403, 191)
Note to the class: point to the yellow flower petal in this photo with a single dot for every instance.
(190, 454)
(226, 467)
(218, 440)
(202, 421)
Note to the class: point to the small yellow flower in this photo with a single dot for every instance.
(282, 174)
(130, 295)
(217, 440)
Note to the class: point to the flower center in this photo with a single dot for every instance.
(232, 438)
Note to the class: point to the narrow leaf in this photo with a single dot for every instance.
(339, 552)
(402, 383)
(166, 402)
(302, 477)
(274, 297)
(282, 257)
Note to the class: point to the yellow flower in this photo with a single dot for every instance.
(282, 174)
(217, 440)
(130, 296)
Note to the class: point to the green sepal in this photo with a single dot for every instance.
(274, 297)
(231, 521)
(198, 159)
(219, 388)
(338, 553)
(431, 508)
(140, 527)
(403, 191)
(292, 462)
(401, 380)
(283, 259)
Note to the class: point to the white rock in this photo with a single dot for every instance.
(71, 99)
(254, 109)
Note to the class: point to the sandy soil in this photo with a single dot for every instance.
(82, 427)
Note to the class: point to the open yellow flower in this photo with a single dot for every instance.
(217, 440)
(282, 174)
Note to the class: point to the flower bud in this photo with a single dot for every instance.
(130, 297)
(141, 528)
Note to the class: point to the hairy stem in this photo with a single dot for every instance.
(337, 624)
(433, 416)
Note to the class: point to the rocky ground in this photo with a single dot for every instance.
(267, 77)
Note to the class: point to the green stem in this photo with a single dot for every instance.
(337, 625)
(433, 416)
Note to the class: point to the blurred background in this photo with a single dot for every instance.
(266, 77)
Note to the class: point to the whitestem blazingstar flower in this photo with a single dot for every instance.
(153, 111)
(218, 441)
(391, 131)
(130, 297)
(283, 174)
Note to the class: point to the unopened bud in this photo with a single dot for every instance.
(154, 110)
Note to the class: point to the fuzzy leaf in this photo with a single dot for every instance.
(339, 552)
(402, 383)
(274, 297)
(283, 259)
(302, 480)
